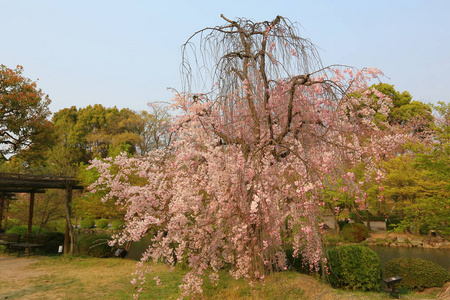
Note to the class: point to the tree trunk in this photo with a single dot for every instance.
(30, 213)
(368, 219)
(68, 239)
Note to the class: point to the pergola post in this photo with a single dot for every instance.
(5, 213)
(30, 213)
(2, 207)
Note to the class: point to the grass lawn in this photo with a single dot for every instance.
(94, 278)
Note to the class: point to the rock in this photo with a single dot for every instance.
(444, 294)
(401, 239)
(371, 240)
(416, 243)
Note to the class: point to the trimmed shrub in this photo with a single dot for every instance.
(102, 223)
(95, 245)
(117, 224)
(354, 267)
(22, 229)
(87, 224)
(355, 232)
(417, 273)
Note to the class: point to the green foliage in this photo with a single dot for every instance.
(296, 263)
(355, 232)
(95, 245)
(87, 224)
(341, 224)
(117, 224)
(102, 223)
(353, 216)
(404, 109)
(22, 229)
(393, 222)
(12, 222)
(419, 190)
(417, 273)
(52, 241)
(354, 267)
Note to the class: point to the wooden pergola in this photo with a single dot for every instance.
(11, 184)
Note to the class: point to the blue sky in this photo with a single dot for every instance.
(126, 53)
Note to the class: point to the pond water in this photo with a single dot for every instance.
(439, 256)
(137, 248)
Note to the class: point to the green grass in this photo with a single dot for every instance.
(109, 278)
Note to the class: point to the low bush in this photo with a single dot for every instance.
(417, 273)
(12, 223)
(355, 232)
(87, 224)
(117, 224)
(95, 245)
(23, 229)
(354, 267)
(102, 223)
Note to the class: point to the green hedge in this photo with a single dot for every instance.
(417, 273)
(95, 245)
(354, 267)
(102, 223)
(22, 229)
(87, 224)
(355, 232)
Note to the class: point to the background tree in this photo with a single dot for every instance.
(23, 114)
(252, 152)
(48, 208)
(94, 130)
(153, 129)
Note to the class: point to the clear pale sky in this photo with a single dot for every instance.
(126, 53)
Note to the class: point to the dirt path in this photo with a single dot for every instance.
(17, 268)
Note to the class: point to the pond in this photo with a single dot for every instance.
(439, 256)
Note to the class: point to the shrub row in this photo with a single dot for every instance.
(357, 267)
(417, 273)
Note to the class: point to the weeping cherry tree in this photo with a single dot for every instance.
(264, 129)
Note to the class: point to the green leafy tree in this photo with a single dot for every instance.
(90, 132)
(407, 112)
(418, 194)
(153, 129)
